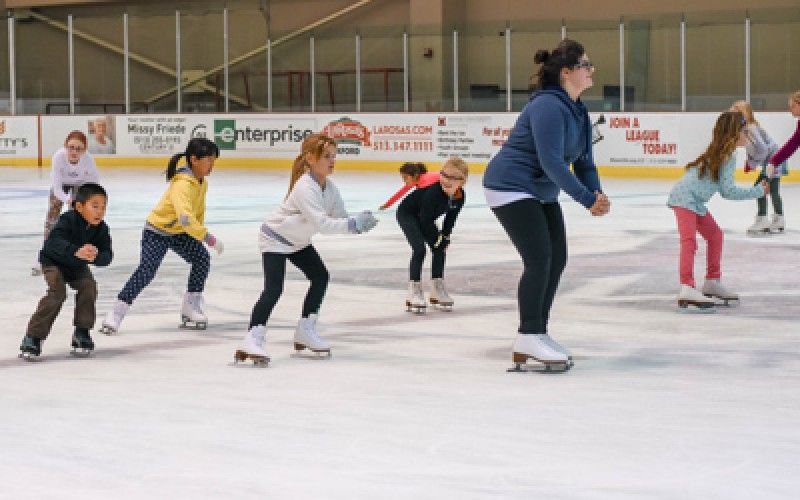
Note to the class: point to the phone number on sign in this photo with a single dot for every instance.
(402, 146)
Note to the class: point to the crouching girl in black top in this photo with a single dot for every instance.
(417, 215)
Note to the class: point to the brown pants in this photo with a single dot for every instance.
(50, 305)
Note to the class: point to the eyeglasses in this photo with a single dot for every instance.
(451, 178)
(77, 149)
(584, 65)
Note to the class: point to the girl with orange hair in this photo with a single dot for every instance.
(312, 205)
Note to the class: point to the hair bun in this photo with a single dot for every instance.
(541, 56)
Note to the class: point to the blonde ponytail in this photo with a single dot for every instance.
(313, 144)
(298, 169)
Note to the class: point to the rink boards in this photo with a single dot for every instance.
(635, 145)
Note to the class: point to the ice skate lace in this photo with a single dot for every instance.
(260, 337)
(555, 345)
(197, 303)
(440, 290)
(311, 329)
(119, 310)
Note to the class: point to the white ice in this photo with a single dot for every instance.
(660, 404)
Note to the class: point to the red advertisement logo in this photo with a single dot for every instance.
(347, 131)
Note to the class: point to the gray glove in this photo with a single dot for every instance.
(362, 222)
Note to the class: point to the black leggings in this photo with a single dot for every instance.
(537, 231)
(412, 228)
(309, 262)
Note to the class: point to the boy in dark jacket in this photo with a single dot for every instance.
(79, 238)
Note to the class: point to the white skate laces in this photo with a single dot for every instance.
(259, 335)
(537, 347)
(253, 347)
(311, 329)
(778, 223)
(690, 296)
(555, 345)
(439, 295)
(114, 318)
(419, 295)
(761, 225)
(194, 306)
(307, 337)
(416, 295)
(713, 288)
(415, 301)
(193, 311)
(198, 303)
(255, 341)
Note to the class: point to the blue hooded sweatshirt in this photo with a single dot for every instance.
(551, 132)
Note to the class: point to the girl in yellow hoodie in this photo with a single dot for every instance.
(176, 224)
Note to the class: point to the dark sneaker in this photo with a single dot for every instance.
(82, 340)
(31, 346)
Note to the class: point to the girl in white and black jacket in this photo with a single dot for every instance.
(72, 166)
(312, 205)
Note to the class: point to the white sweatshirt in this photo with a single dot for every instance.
(63, 173)
(306, 211)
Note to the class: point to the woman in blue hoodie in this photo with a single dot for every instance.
(522, 183)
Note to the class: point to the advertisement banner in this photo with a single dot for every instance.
(475, 138)
(372, 140)
(19, 139)
(100, 131)
(381, 137)
(260, 135)
(631, 139)
(157, 135)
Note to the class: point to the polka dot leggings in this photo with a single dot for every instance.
(154, 248)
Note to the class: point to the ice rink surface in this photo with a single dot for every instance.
(660, 404)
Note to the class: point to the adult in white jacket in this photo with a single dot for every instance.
(71, 167)
(312, 205)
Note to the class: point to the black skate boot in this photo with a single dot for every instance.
(30, 348)
(82, 343)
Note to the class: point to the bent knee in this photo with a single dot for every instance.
(59, 295)
(322, 277)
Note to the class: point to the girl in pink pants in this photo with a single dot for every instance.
(712, 172)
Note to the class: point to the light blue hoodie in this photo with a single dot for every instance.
(551, 132)
(693, 192)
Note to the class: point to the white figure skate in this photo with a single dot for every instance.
(558, 347)
(439, 296)
(760, 226)
(415, 302)
(307, 337)
(114, 318)
(690, 296)
(714, 290)
(193, 313)
(537, 348)
(778, 224)
(253, 347)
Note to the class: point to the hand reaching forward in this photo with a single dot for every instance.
(601, 206)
